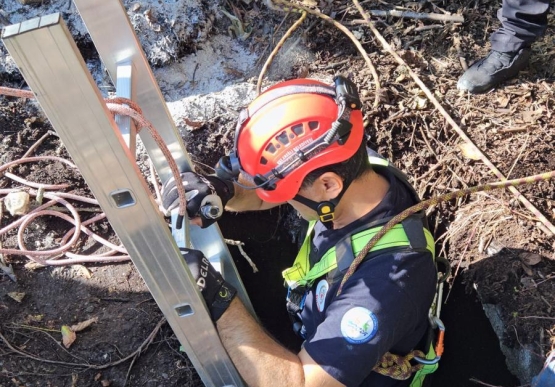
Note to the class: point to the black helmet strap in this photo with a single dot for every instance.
(324, 209)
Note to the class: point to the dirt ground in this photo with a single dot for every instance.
(495, 245)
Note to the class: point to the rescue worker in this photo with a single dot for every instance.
(302, 142)
(522, 23)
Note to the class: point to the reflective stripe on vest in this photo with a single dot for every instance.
(301, 274)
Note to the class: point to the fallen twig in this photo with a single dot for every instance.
(343, 29)
(399, 116)
(416, 15)
(519, 155)
(461, 259)
(243, 253)
(546, 279)
(7, 269)
(427, 28)
(276, 49)
(513, 130)
(259, 60)
(482, 157)
(37, 143)
(141, 348)
(464, 64)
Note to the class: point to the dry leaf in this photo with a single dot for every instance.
(232, 71)
(302, 72)
(419, 103)
(82, 271)
(33, 265)
(527, 282)
(503, 101)
(193, 124)
(530, 259)
(400, 78)
(105, 383)
(68, 336)
(529, 116)
(527, 269)
(148, 16)
(82, 325)
(33, 318)
(16, 296)
(469, 151)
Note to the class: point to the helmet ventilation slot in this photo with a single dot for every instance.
(283, 138)
(312, 125)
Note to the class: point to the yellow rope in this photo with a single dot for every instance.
(398, 367)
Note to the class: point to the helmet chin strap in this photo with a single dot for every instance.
(325, 209)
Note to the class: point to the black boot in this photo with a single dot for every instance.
(493, 69)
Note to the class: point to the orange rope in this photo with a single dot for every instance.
(116, 106)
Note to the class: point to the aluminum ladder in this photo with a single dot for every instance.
(52, 66)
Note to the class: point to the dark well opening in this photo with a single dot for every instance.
(471, 346)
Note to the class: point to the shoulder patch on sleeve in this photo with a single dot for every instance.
(359, 325)
(321, 292)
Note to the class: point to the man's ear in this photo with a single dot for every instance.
(332, 185)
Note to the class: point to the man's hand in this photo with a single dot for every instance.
(217, 293)
(206, 196)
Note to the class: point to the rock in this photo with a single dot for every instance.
(519, 359)
(17, 203)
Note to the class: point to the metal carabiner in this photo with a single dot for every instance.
(433, 361)
(436, 324)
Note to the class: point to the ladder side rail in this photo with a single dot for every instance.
(52, 66)
(104, 20)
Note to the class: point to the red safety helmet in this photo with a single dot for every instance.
(294, 128)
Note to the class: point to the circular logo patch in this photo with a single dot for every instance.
(321, 292)
(359, 325)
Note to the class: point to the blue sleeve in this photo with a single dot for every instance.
(383, 307)
(546, 377)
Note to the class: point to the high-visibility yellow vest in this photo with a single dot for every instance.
(301, 274)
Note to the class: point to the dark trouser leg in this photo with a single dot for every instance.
(523, 21)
